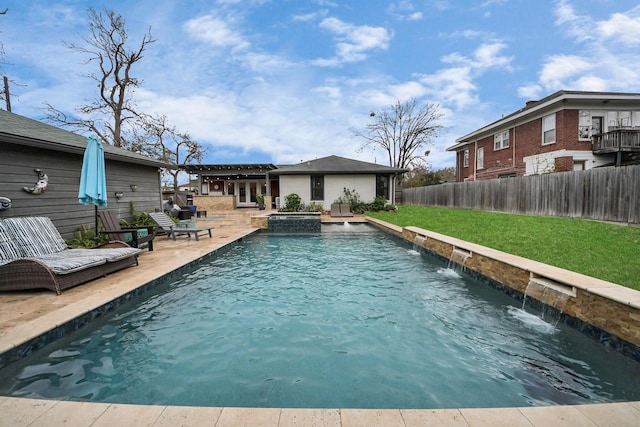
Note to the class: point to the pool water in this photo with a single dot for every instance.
(350, 317)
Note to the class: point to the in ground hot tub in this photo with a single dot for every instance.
(294, 222)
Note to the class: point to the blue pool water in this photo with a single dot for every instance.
(349, 317)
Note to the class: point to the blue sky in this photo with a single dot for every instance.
(286, 81)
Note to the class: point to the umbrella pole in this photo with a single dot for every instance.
(96, 220)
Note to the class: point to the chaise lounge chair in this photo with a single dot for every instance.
(340, 210)
(135, 237)
(33, 255)
(166, 224)
(345, 210)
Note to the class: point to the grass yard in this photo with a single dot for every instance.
(607, 251)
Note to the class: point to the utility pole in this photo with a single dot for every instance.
(7, 95)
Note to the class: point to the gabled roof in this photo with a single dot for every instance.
(16, 129)
(335, 165)
(565, 98)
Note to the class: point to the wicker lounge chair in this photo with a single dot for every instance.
(172, 229)
(33, 255)
(135, 237)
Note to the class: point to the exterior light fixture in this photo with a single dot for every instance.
(134, 187)
(119, 195)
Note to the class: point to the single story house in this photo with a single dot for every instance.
(320, 181)
(568, 130)
(29, 148)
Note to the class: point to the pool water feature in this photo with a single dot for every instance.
(294, 222)
(350, 317)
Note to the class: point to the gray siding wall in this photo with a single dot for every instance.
(60, 201)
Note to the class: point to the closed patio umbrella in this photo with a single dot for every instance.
(93, 181)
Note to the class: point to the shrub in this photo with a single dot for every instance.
(378, 204)
(86, 238)
(314, 207)
(292, 203)
(358, 206)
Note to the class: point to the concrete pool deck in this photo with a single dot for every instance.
(25, 315)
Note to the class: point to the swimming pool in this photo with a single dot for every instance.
(366, 322)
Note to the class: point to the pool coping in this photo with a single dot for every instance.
(19, 411)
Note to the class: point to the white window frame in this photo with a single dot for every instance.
(549, 129)
(501, 140)
(584, 125)
(465, 157)
(480, 157)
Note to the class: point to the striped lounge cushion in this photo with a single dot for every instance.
(35, 236)
(62, 263)
(9, 251)
(108, 254)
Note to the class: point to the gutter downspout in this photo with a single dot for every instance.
(475, 159)
(513, 153)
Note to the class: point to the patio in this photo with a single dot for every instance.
(27, 315)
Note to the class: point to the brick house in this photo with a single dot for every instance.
(568, 130)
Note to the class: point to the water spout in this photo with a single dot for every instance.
(551, 294)
(418, 243)
(458, 256)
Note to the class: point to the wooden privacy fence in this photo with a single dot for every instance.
(608, 194)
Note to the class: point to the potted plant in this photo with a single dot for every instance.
(260, 200)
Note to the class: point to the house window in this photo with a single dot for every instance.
(382, 186)
(466, 158)
(584, 125)
(501, 140)
(480, 158)
(317, 187)
(549, 129)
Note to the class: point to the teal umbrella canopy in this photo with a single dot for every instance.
(93, 181)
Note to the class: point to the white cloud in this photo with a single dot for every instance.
(454, 86)
(530, 92)
(215, 31)
(404, 11)
(310, 16)
(621, 28)
(560, 69)
(602, 58)
(486, 56)
(353, 41)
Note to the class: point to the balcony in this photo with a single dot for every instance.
(617, 140)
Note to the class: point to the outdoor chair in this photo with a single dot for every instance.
(335, 210)
(135, 236)
(340, 210)
(167, 225)
(345, 210)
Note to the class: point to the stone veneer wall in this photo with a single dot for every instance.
(214, 203)
(608, 312)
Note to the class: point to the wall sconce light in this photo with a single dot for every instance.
(134, 187)
(119, 195)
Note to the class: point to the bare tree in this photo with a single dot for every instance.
(108, 114)
(402, 131)
(160, 140)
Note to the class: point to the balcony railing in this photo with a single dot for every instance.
(623, 139)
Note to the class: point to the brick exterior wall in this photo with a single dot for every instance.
(563, 164)
(524, 140)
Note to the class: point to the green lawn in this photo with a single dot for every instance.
(607, 251)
